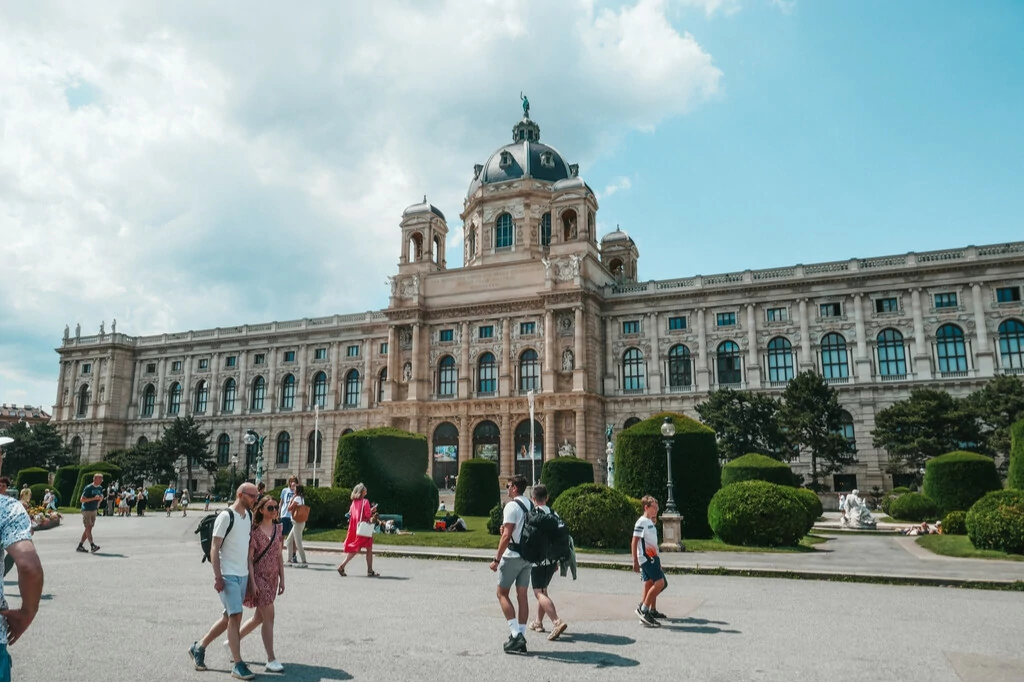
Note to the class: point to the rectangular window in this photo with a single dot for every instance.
(677, 323)
(150, 368)
(231, 361)
(887, 305)
(776, 315)
(259, 359)
(280, 483)
(832, 310)
(289, 356)
(486, 332)
(319, 354)
(384, 349)
(352, 351)
(631, 327)
(204, 363)
(447, 335)
(527, 328)
(1007, 294)
(86, 368)
(725, 319)
(176, 366)
(946, 300)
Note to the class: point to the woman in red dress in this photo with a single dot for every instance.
(268, 570)
(359, 511)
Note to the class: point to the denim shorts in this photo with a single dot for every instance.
(234, 592)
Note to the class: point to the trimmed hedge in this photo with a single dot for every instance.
(889, 497)
(955, 523)
(812, 505)
(38, 491)
(32, 475)
(111, 473)
(560, 474)
(391, 463)
(758, 513)
(914, 507)
(64, 481)
(1015, 477)
(597, 516)
(957, 480)
(477, 490)
(640, 467)
(494, 519)
(996, 522)
(156, 497)
(754, 466)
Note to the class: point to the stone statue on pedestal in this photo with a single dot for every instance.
(857, 515)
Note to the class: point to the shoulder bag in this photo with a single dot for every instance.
(363, 528)
(300, 513)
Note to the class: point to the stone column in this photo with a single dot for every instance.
(272, 388)
(609, 361)
(393, 355)
(922, 359)
(213, 403)
(72, 407)
(242, 388)
(703, 375)
(506, 448)
(465, 377)
(862, 363)
(550, 445)
(505, 362)
(333, 401)
(186, 390)
(654, 370)
(806, 362)
(369, 379)
(551, 361)
(579, 373)
(59, 403)
(161, 395)
(414, 381)
(753, 356)
(984, 360)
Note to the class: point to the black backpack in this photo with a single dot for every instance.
(205, 531)
(544, 539)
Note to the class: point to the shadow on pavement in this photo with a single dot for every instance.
(109, 555)
(293, 672)
(596, 638)
(691, 625)
(600, 660)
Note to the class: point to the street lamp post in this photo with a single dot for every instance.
(253, 438)
(671, 521)
(530, 398)
(234, 468)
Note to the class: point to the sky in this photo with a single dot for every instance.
(191, 165)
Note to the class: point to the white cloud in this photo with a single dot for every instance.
(727, 7)
(619, 183)
(784, 6)
(188, 165)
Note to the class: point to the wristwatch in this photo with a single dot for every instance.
(497, 560)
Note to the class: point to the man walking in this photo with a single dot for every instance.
(91, 497)
(511, 568)
(16, 540)
(540, 577)
(286, 515)
(232, 575)
(647, 561)
(169, 498)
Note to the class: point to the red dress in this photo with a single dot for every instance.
(359, 511)
(266, 572)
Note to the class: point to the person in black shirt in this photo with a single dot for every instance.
(91, 497)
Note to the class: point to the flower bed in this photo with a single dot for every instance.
(43, 519)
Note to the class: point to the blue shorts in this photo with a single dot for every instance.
(233, 594)
(650, 570)
(286, 526)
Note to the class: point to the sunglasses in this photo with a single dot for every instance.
(270, 508)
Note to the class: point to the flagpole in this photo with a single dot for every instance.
(533, 461)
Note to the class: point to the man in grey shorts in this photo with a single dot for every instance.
(511, 568)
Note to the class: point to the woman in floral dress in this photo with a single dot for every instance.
(359, 511)
(268, 570)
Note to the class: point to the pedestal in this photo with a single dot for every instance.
(672, 534)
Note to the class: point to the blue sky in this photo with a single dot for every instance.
(190, 166)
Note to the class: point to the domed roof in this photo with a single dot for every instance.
(423, 207)
(526, 157)
(619, 235)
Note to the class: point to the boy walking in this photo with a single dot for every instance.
(511, 568)
(540, 577)
(647, 562)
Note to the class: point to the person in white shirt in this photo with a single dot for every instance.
(511, 568)
(286, 512)
(293, 545)
(647, 562)
(169, 494)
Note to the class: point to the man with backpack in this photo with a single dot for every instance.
(540, 575)
(511, 567)
(231, 558)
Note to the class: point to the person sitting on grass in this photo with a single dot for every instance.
(453, 522)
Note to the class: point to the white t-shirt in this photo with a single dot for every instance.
(234, 550)
(514, 515)
(286, 497)
(647, 532)
(169, 494)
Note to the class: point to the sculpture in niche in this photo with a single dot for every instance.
(568, 362)
(64, 400)
(393, 284)
(565, 322)
(407, 373)
(103, 390)
(566, 450)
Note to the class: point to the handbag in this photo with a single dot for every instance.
(364, 529)
(300, 514)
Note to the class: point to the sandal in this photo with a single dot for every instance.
(537, 626)
(372, 574)
(341, 571)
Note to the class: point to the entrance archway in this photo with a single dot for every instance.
(446, 452)
(524, 465)
(487, 442)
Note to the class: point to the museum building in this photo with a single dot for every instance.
(545, 311)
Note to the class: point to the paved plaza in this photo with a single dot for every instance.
(131, 611)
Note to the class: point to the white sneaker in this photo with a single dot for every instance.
(275, 667)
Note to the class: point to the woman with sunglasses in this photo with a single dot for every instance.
(268, 569)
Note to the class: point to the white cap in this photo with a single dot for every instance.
(4, 440)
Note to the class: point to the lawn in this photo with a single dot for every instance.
(960, 546)
(477, 537)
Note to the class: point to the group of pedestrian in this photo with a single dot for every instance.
(127, 499)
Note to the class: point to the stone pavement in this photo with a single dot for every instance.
(131, 611)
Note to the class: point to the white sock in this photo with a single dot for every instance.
(522, 629)
(513, 626)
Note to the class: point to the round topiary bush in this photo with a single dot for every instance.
(494, 520)
(955, 523)
(64, 481)
(754, 466)
(955, 481)
(996, 522)
(889, 497)
(477, 490)
(812, 504)
(32, 475)
(758, 513)
(156, 496)
(597, 516)
(1015, 475)
(914, 507)
(38, 491)
(640, 467)
(560, 474)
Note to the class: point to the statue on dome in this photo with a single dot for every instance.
(526, 105)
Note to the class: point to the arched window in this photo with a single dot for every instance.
(503, 232)
(223, 449)
(288, 392)
(892, 356)
(487, 441)
(679, 368)
(174, 399)
(352, 388)
(284, 447)
(846, 427)
(76, 449)
(950, 348)
(728, 361)
(228, 401)
(630, 422)
(382, 382)
(148, 401)
(142, 441)
(487, 374)
(1011, 344)
(633, 374)
(83, 399)
(780, 360)
(446, 453)
(529, 371)
(834, 357)
(202, 394)
(314, 448)
(415, 247)
(447, 377)
(320, 389)
(545, 230)
(437, 249)
(259, 393)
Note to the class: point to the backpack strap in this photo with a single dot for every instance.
(513, 544)
(273, 535)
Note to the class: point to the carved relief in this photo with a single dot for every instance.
(405, 338)
(410, 287)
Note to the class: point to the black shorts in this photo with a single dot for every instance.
(650, 570)
(540, 576)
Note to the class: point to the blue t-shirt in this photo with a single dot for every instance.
(91, 491)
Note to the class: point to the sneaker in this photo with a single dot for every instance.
(647, 620)
(81, 549)
(558, 629)
(657, 615)
(639, 610)
(241, 671)
(93, 547)
(515, 644)
(198, 655)
(537, 626)
(275, 667)
(294, 560)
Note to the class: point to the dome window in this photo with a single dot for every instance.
(574, 170)
(547, 160)
(506, 159)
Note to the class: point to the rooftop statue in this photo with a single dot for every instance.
(526, 105)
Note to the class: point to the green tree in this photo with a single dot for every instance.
(222, 482)
(38, 445)
(996, 406)
(744, 422)
(184, 439)
(926, 425)
(142, 462)
(813, 420)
